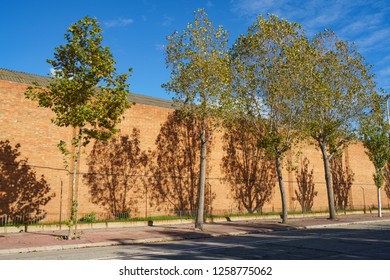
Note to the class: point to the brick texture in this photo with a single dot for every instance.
(23, 123)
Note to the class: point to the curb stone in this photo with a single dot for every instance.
(343, 224)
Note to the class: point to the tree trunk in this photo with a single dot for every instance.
(379, 203)
(202, 179)
(282, 192)
(73, 217)
(328, 180)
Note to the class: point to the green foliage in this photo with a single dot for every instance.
(199, 63)
(337, 88)
(85, 91)
(89, 218)
(65, 153)
(268, 79)
(267, 67)
(339, 85)
(375, 135)
(200, 79)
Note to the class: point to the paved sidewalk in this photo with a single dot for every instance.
(51, 240)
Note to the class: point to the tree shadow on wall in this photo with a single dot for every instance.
(22, 192)
(117, 174)
(387, 179)
(305, 193)
(177, 169)
(342, 179)
(247, 170)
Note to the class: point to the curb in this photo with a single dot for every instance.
(342, 224)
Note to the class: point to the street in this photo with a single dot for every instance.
(350, 242)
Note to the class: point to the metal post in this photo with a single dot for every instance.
(146, 201)
(364, 200)
(61, 205)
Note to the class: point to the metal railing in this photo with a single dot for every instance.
(17, 220)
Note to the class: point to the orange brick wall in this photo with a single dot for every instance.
(22, 122)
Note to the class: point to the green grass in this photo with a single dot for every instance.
(91, 218)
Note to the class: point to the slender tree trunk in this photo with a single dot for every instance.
(74, 208)
(202, 179)
(379, 203)
(328, 180)
(378, 178)
(281, 187)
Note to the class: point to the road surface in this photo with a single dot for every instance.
(350, 242)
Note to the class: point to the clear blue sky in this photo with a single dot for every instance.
(136, 30)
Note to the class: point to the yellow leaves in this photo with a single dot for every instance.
(84, 65)
(199, 61)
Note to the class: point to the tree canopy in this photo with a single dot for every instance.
(375, 129)
(85, 92)
(267, 66)
(339, 86)
(200, 78)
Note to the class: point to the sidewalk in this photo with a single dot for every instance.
(11, 243)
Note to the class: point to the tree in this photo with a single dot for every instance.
(267, 69)
(376, 139)
(199, 62)
(337, 90)
(85, 92)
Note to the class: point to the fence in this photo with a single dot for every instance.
(93, 217)
(50, 192)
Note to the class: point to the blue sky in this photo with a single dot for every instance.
(136, 30)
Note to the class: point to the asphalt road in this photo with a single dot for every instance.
(351, 242)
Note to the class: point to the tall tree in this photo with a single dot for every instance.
(267, 69)
(339, 85)
(85, 93)
(199, 62)
(376, 139)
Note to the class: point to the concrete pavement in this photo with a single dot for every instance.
(20, 242)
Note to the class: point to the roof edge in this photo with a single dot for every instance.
(29, 79)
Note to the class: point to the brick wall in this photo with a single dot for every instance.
(23, 123)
